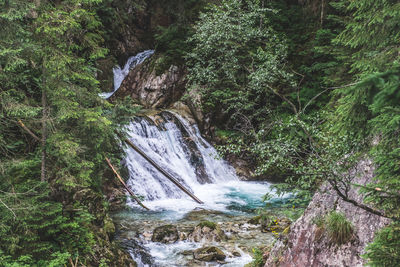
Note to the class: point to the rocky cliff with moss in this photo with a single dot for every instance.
(331, 232)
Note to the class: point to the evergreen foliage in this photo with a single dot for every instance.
(48, 84)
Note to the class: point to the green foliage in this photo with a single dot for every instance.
(171, 41)
(384, 251)
(51, 50)
(236, 51)
(371, 31)
(267, 70)
(258, 260)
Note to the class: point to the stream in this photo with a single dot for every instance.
(174, 142)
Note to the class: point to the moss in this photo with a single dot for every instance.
(319, 221)
(208, 224)
(109, 226)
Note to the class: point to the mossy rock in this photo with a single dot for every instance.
(209, 254)
(199, 214)
(211, 225)
(274, 224)
(165, 234)
(255, 220)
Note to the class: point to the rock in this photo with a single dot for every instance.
(152, 90)
(255, 220)
(306, 245)
(209, 254)
(269, 224)
(207, 231)
(200, 213)
(187, 252)
(236, 253)
(194, 103)
(165, 234)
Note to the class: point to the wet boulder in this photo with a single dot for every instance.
(201, 214)
(255, 220)
(209, 254)
(165, 234)
(207, 231)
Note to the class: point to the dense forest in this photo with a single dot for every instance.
(302, 90)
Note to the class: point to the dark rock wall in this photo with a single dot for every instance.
(152, 90)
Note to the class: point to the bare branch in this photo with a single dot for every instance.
(5, 205)
(28, 130)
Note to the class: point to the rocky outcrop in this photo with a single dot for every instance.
(209, 254)
(152, 90)
(165, 234)
(308, 245)
(207, 231)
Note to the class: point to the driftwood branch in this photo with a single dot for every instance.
(20, 123)
(155, 165)
(124, 184)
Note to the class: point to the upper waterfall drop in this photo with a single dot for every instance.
(120, 74)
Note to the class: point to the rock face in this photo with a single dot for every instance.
(308, 246)
(152, 90)
(165, 234)
(209, 254)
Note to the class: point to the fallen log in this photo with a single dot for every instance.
(124, 184)
(155, 165)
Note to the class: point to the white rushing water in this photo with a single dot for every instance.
(120, 74)
(178, 147)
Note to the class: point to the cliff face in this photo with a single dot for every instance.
(308, 245)
(152, 90)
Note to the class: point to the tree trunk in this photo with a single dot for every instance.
(124, 184)
(44, 135)
(155, 165)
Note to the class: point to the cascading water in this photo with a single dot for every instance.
(120, 74)
(176, 145)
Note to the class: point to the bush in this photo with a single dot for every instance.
(339, 229)
(385, 249)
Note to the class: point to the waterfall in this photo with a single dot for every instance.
(120, 74)
(177, 146)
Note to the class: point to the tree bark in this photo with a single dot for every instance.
(166, 174)
(124, 184)
(44, 135)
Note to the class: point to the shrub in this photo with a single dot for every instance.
(339, 229)
(385, 249)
